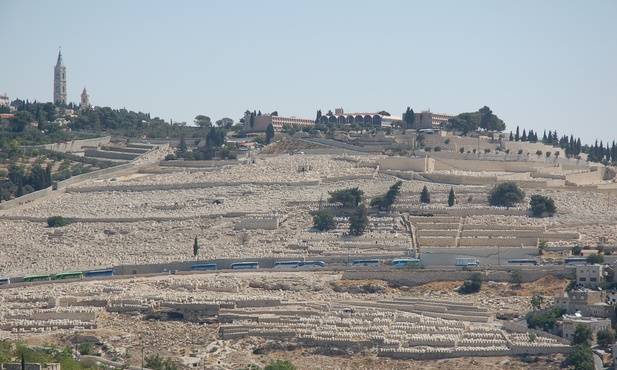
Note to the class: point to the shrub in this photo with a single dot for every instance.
(472, 286)
(506, 195)
(57, 221)
(540, 204)
(437, 149)
(324, 220)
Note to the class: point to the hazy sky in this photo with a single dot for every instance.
(536, 64)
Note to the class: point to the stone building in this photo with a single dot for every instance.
(570, 322)
(261, 122)
(85, 100)
(590, 274)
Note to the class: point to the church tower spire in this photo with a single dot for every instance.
(60, 81)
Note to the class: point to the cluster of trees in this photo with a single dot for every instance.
(9, 351)
(352, 198)
(473, 121)
(508, 194)
(598, 152)
(385, 202)
(22, 181)
(540, 205)
(532, 137)
(215, 146)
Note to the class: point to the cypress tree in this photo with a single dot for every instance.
(511, 136)
(195, 248)
(517, 136)
(425, 196)
(48, 179)
(451, 198)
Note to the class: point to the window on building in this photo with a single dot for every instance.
(593, 279)
(582, 279)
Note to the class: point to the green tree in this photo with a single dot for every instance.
(324, 220)
(542, 244)
(269, 133)
(195, 247)
(358, 221)
(203, 121)
(517, 277)
(540, 204)
(48, 178)
(605, 337)
(473, 285)
(451, 198)
(595, 258)
(489, 121)
(582, 358)
(409, 117)
(225, 122)
(57, 221)
(506, 194)
(20, 121)
(465, 122)
(544, 320)
(536, 301)
(425, 196)
(582, 335)
(347, 197)
(385, 202)
(181, 151)
(280, 365)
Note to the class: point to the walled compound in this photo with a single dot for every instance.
(144, 215)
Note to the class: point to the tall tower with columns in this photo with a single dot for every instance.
(85, 100)
(60, 81)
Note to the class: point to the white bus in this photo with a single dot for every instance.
(312, 264)
(406, 262)
(245, 266)
(370, 262)
(286, 264)
(522, 262)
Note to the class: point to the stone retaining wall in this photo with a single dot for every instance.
(73, 146)
(420, 277)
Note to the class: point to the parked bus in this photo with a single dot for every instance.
(99, 273)
(522, 262)
(69, 275)
(312, 264)
(4, 281)
(244, 266)
(371, 262)
(204, 267)
(406, 262)
(574, 261)
(31, 278)
(286, 264)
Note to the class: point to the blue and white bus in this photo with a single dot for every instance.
(99, 273)
(286, 264)
(369, 262)
(4, 281)
(245, 266)
(312, 264)
(406, 262)
(522, 262)
(204, 267)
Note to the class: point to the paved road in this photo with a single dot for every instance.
(486, 256)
